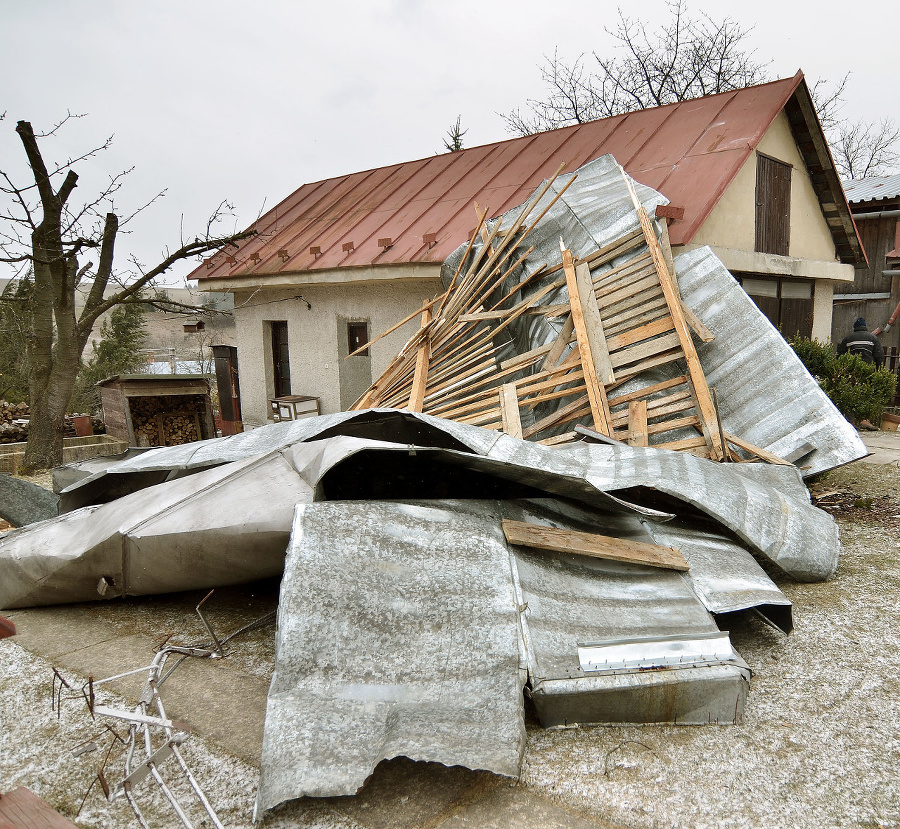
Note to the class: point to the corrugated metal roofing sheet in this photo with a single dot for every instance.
(873, 188)
(690, 151)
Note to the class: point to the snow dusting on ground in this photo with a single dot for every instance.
(819, 746)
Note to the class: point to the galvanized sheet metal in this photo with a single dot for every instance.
(801, 539)
(222, 526)
(765, 394)
(723, 575)
(397, 635)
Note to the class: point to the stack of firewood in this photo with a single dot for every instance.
(11, 432)
(164, 421)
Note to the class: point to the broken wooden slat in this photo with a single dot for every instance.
(651, 329)
(509, 410)
(647, 390)
(637, 423)
(595, 395)
(606, 547)
(579, 407)
(649, 348)
(559, 344)
(420, 377)
(762, 454)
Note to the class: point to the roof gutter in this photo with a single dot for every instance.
(882, 214)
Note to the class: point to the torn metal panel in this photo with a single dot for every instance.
(801, 539)
(724, 575)
(152, 467)
(168, 522)
(765, 394)
(574, 606)
(222, 526)
(397, 635)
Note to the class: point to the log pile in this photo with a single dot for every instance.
(166, 420)
(623, 317)
(11, 432)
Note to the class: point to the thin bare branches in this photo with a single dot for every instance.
(687, 58)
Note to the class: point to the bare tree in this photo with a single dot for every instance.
(688, 57)
(45, 232)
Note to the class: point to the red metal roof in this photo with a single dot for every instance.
(690, 151)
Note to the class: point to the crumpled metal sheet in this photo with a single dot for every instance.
(765, 394)
(800, 539)
(153, 466)
(775, 522)
(397, 635)
(227, 525)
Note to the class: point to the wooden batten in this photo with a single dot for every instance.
(540, 537)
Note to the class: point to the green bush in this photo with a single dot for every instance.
(858, 389)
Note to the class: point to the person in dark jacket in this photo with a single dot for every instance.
(862, 344)
(867, 347)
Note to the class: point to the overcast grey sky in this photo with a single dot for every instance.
(219, 99)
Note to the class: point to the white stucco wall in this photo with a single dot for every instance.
(313, 334)
(732, 223)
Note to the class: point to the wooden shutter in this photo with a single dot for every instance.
(773, 206)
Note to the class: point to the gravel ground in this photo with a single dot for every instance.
(819, 747)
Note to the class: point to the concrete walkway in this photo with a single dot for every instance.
(884, 446)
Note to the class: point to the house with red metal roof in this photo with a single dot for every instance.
(747, 172)
(875, 293)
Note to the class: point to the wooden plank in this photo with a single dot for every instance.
(606, 547)
(647, 390)
(637, 423)
(636, 316)
(648, 348)
(577, 408)
(616, 294)
(593, 325)
(762, 454)
(595, 395)
(670, 425)
(696, 324)
(525, 359)
(556, 440)
(695, 370)
(681, 445)
(509, 410)
(651, 329)
(596, 436)
(651, 362)
(559, 344)
(420, 377)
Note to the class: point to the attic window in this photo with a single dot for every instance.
(773, 206)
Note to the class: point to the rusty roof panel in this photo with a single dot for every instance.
(690, 151)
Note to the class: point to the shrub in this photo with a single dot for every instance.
(858, 389)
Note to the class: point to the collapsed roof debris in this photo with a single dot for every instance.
(532, 340)
(454, 541)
